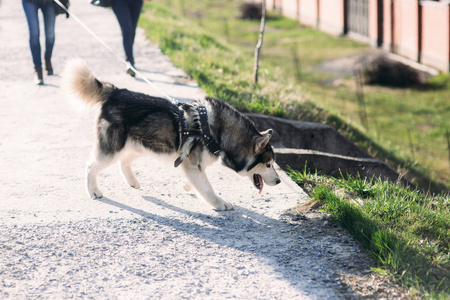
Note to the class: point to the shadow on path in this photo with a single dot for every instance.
(276, 243)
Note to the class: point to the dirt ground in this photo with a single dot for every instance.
(156, 242)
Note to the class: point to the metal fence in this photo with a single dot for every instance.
(358, 17)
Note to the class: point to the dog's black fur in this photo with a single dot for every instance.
(129, 124)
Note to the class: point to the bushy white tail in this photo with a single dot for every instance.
(79, 81)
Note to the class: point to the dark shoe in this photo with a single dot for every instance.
(48, 66)
(130, 70)
(38, 76)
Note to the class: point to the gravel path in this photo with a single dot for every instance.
(156, 242)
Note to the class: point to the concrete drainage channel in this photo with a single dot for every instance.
(323, 149)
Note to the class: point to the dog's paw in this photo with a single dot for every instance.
(96, 194)
(187, 187)
(136, 185)
(224, 206)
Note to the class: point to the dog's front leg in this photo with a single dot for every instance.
(199, 181)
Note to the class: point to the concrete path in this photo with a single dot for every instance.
(156, 242)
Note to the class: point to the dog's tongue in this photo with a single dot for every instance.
(258, 182)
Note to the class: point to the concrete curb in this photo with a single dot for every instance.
(321, 148)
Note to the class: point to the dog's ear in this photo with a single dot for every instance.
(262, 141)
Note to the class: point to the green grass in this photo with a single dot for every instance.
(406, 232)
(216, 48)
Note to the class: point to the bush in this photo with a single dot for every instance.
(384, 71)
(251, 11)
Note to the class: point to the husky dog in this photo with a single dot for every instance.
(131, 124)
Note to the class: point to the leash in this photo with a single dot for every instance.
(209, 141)
(127, 64)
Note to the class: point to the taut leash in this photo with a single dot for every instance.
(127, 64)
(204, 132)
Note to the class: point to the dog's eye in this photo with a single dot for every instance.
(268, 165)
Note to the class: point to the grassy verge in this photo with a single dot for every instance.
(222, 65)
(407, 233)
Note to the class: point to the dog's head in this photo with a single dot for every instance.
(260, 164)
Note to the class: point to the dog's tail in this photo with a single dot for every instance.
(79, 81)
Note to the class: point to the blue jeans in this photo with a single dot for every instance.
(31, 12)
(127, 13)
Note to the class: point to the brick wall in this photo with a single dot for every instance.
(393, 25)
(406, 28)
(436, 35)
(331, 16)
(308, 12)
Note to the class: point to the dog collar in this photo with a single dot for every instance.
(205, 133)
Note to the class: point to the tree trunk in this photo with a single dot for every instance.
(260, 42)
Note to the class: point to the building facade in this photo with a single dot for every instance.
(418, 30)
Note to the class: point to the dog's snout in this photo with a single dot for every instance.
(278, 181)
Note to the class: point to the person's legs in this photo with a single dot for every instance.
(135, 11)
(31, 12)
(122, 11)
(48, 11)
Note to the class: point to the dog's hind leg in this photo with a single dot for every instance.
(198, 179)
(94, 167)
(127, 172)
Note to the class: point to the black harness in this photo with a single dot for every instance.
(204, 132)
